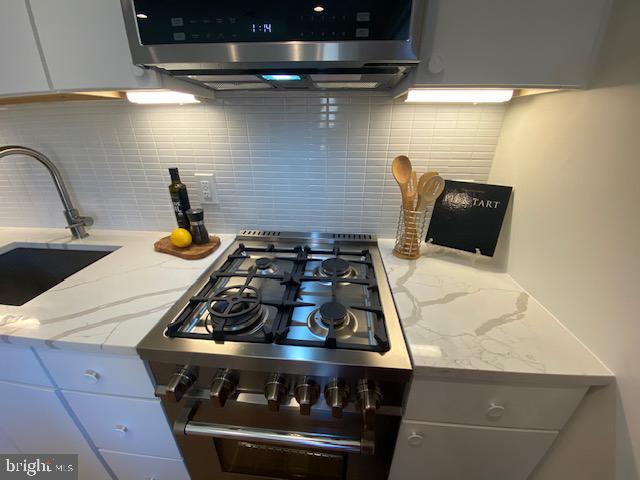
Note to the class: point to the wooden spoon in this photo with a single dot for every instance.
(430, 192)
(401, 169)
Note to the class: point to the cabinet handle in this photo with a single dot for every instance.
(415, 439)
(138, 71)
(495, 410)
(91, 375)
(436, 64)
(121, 429)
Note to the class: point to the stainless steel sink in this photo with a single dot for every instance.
(28, 270)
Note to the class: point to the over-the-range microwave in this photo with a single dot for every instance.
(322, 41)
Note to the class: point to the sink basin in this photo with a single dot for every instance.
(29, 270)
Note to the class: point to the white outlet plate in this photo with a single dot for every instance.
(207, 185)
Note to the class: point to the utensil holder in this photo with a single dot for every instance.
(410, 233)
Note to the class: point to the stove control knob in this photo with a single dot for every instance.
(369, 397)
(275, 391)
(336, 394)
(223, 386)
(307, 393)
(180, 382)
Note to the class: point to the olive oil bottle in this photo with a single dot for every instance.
(179, 198)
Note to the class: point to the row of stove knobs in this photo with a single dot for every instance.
(337, 391)
(336, 394)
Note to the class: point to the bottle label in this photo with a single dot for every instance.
(181, 217)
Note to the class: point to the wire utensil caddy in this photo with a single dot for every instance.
(417, 195)
(410, 233)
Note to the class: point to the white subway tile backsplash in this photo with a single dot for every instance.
(298, 161)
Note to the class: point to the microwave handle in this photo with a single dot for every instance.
(185, 426)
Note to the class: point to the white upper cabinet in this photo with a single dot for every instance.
(519, 43)
(22, 69)
(85, 46)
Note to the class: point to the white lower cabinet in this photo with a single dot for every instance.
(439, 451)
(34, 420)
(22, 366)
(110, 415)
(127, 466)
(6, 445)
(98, 373)
(124, 424)
(492, 404)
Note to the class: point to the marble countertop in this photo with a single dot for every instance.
(108, 306)
(459, 320)
(469, 321)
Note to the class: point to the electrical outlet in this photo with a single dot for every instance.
(207, 185)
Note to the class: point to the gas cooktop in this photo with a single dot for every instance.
(298, 295)
(296, 303)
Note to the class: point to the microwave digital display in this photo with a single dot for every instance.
(199, 21)
(261, 28)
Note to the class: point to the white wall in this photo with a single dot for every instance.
(574, 161)
(282, 161)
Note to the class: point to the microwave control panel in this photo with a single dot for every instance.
(199, 21)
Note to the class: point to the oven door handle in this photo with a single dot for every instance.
(185, 426)
(278, 437)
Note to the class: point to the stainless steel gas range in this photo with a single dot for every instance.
(285, 360)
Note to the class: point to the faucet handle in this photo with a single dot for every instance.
(77, 224)
(87, 221)
(81, 222)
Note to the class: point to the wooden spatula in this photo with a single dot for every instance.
(421, 183)
(431, 190)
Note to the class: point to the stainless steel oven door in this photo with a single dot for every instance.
(258, 459)
(243, 442)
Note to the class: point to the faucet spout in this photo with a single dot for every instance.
(76, 223)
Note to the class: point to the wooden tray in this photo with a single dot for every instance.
(192, 252)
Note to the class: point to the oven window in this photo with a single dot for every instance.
(264, 460)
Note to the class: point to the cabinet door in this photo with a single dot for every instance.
(510, 42)
(85, 45)
(22, 68)
(35, 421)
(6, 445)
(98, 373)
(123, 424)
(492, 404)
(126, 465)
(439, 451)
(21, 365)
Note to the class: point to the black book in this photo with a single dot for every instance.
(468, 216)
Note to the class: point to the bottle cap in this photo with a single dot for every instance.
(195, 214)
(175, 176)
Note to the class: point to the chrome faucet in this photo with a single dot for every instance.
(76, 223)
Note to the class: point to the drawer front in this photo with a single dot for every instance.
(492, 404)
(140, 467)
(6, 444)
(97, 373)
(20, 364)
(34, 420)
(437, 451)
(132, 425)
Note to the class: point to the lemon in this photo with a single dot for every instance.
(181, 238)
